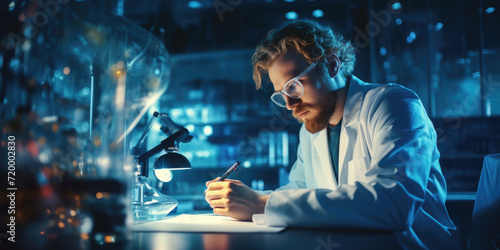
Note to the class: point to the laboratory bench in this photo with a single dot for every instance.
(460, 204)
(290, 238)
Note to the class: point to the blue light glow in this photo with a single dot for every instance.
(318, 13)
(396, 6)
(42, 179)
(438, 26)
(120, 7)
(412, 35)
(490, 10)
(399, 21)
(383, 51)
(44, 158)
(208, 130)
(190, 112)
(174, 113)
(85, 91)
(85, 127)
(190, 128)
(289, 1)
(247, 164)
(194, 4)
(291, 15)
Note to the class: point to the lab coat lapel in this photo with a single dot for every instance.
(352, 106)
(344, 141)
(323, 171)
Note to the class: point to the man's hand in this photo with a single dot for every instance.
(234, 199)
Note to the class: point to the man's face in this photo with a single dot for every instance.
(318, 103)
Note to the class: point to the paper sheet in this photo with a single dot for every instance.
(205, 223)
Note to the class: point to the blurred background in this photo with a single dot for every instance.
(447, 51)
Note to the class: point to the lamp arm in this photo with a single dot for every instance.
(148, 128)
(170, 142)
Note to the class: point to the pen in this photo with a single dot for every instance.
(227, 173)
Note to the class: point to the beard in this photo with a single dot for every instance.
(319, 112)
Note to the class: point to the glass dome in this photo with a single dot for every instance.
(83, 80)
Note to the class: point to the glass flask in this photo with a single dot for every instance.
(149, 204)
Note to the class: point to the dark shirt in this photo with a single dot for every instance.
(333, 143)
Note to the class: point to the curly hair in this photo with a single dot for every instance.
(312, 40)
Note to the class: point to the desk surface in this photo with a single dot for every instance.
(290, 238)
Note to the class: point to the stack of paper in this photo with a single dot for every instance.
(205, 223)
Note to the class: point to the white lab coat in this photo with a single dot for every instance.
(389, 173)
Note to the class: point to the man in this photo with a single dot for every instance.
(367, 156)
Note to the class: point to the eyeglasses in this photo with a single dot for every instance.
(292, 88)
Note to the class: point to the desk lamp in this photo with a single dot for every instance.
(148, 203)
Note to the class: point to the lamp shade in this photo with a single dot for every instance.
(169, 161)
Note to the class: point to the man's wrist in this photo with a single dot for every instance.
(262, 203)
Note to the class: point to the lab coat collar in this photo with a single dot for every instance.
(353, 102)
